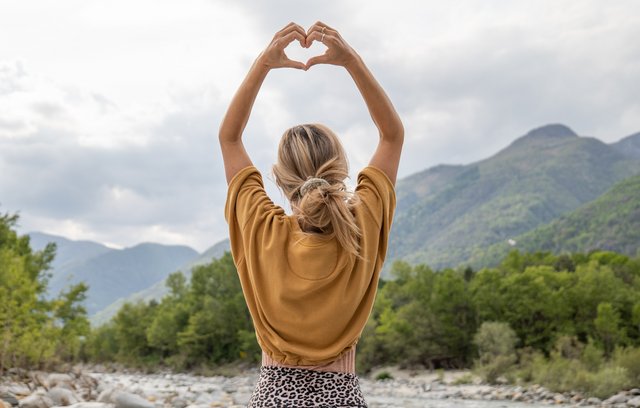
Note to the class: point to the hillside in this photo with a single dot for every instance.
(610, 222)
(159, 289)
(110, 273)
(629, 146)
(447, 213)
(68, 254)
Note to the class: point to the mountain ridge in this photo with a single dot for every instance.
(112, 272)
(539, 176)
(158, 289)
(611, 222)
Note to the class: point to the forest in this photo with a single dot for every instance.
(567, 321)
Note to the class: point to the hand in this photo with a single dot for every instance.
(274, 57)
(338, 51)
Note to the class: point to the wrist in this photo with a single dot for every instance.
(353, 63)
(261, 64)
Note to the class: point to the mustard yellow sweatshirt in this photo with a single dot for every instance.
(308, 298)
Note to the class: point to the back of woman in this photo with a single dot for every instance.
(310, 278)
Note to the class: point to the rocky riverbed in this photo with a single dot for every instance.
(92, 387)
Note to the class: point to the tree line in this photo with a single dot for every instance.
(534, 317)
(35, 332)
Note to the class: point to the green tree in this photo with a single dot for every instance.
(69, 311)
(131, 324)
(607, 324)
(32, 329)
(496, 343)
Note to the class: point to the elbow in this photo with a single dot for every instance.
(225, 135)
(393, 133)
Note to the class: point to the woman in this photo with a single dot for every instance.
(310, 278)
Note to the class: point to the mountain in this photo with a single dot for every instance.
(610, 222)
(159, 289)
(68, 253)
(446, 214)
(110, 273)
(629, 146)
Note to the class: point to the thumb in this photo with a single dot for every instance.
(319, 59)
(294, 64)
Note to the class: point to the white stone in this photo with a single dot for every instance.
(36, 401)
(60, 379)
(124, 399)
(617, 399)
(89, 404)
(62, 396)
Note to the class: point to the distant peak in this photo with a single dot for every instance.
(555, 130)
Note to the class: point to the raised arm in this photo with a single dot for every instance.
(234, 155)
(387, 154)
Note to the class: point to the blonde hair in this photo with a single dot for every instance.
(313, 151)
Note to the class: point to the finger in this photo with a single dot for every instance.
(289, 29)
(287, 39)
(322, 28)
(321, 31)
(318, 36)
(291, 24)
(319, 59)
(321, 24)
(293, 64)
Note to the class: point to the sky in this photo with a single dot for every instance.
(109, 110)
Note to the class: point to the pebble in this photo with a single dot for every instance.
(36, 401)
(123, 399)
(62, 396)
(123, 389)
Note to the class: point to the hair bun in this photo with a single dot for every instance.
(311, 183)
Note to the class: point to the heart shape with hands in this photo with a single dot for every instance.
(296, 52)
(320, 44)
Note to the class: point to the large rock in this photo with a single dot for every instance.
(179, 402)
(107, 395)
(18, 390)
(36, 401)
(60, 380)
(9, 399)
(620, 398)
(62, 396)
(634, 402)
(89, 404)
(124, 399)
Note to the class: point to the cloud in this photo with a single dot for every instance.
(108, 125)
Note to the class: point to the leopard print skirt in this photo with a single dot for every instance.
(298, 387)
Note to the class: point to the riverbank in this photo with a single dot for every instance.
(100, 387)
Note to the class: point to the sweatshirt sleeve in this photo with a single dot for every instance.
(378, 195)
(249, 212)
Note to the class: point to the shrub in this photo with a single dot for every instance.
(466, 378)
(499, 366)
(558, 374)
(629, 359)
(384, 375)
(609, 381)
(528, 359)
(592, 357)
(494, 339)
(496, 347)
